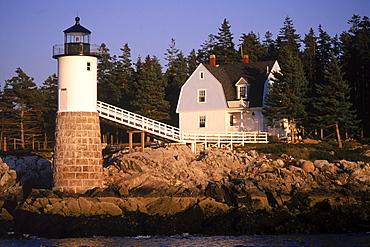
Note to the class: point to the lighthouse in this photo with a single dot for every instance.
(77, 165)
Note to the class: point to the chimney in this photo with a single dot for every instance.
(245, 59)
(212, 60)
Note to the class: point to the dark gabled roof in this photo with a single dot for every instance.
(77, 28)
(255, 73)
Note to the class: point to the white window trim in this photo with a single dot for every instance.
(205, 96)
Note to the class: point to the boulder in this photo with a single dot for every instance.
(108, 208)
(307, 166)
(320, 163)
(329, 168)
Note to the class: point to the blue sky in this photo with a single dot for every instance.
(29, 29)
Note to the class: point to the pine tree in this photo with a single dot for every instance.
(356, 60)
(324, 49)
(252, 47)
(332, 106)
(125, 76)
(149, 99)
(224, 48)
(207, 49)
(175, 76)
(20, 98)
(288, 38)
(287, 97)
(48, 108)
(109, 89)
(192, 63)
(269, 45)
(309, 58)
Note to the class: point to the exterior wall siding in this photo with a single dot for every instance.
(215, 98)
(215, 121)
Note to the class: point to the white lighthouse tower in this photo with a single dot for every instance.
(77, 163)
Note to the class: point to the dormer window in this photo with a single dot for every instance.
(242, 89)
(243, 92)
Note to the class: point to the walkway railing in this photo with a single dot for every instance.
(138, 122)
(174, 134)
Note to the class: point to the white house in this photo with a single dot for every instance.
(227, 98)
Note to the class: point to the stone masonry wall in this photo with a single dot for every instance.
(78, 152)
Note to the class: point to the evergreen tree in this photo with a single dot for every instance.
(324, 43)
(336, 46)
(356, 60)
(309, 59)
(192, 63)
(48, 108)
(224, 48)
(109, 89)
(8, 127)
(175, 76)
(269, 45)
(20, 98)
(288, 38)
(331, 106)
(125, 76)
(252, 47)
(207, 49)
(287, 97)
(149, 99)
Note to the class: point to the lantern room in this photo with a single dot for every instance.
(77, 40)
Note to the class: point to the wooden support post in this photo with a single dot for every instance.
(130, 133)
(194, 147)
(142, 141)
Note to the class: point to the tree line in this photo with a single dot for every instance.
(323, 84)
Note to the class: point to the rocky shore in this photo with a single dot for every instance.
(170, 190)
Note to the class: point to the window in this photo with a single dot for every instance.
(231, 120)
(201, 95)
(201, 75)
(242, 88)
(202, 121)
(88, 67)
(243, 91)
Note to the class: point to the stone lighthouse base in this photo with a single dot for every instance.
(77, 163)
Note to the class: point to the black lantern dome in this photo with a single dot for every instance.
(76, 42)
(77, 39)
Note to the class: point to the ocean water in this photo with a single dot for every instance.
(358, 239)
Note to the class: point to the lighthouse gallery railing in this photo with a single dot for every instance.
(174, 134)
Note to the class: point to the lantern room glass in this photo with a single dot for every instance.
(77, 38)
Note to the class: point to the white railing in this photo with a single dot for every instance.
(139, 122)
(225, 137)
(171, 133)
